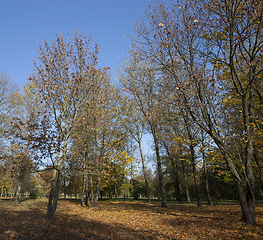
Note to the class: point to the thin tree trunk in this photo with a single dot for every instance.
(159, 166)
(174, 173)
(186, 182)
(193, 160)
(247, 112)
(259, 169)
(96, 198)
(206, 182)
(18, 194)
(124, 194)
(91, 190)
(65, 190)
(87, 192)
(95, 203)
(144, 174)
(177, 184)
(83, 186)
(2, 190)
(12, 190)
(115, 190)
(206, 172)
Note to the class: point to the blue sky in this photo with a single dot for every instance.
(24, 22)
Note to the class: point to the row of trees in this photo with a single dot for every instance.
(197, 66)
(192, 79)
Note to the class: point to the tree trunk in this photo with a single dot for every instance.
(210, 203)
(56, 179)
(54, 193)
(18, 194)
(144, 174)
(174, 173)
(247, 113)
(247, 205)
(95, 202)
(206, 183)
(12, 190)
(248, 214)
(96, 198)
(259, 169)
(2, 190)
(115, 190)
(186, 182)
(176, 180)
(159, 166)
(91, 190)
(193, 160)
(83, 187)
(87, 191)
(124, 194)
(65, 190)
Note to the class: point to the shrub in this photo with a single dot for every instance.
(36, 194)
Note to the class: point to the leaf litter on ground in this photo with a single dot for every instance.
(124, 220)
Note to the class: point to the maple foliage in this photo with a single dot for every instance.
(125, 220)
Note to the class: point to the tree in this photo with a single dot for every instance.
(237, 39)
(136, 127)
(179, 40)
(117, 170)
(9, 100)
(21, 167)
(10, 103)
(139, 80)
(65, 75)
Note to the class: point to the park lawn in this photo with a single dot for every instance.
(125, 220)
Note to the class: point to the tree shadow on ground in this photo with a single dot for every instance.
(27, 221)
(32, 224)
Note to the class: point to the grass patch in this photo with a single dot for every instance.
(125, 220)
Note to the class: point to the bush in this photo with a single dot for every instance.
(36, 194)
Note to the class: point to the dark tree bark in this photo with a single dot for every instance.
(87, 191)
(96, 197)
(159, 165)
(193, 159)
(186, 184)
(210, 203)
(2, 190)
(91, 190)
(84, 182)
(65, 190)
(259, 169)
(206, 182)
(144, 173)
(175, 174)
(54, 193)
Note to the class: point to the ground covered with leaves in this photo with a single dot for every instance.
(125, 220)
